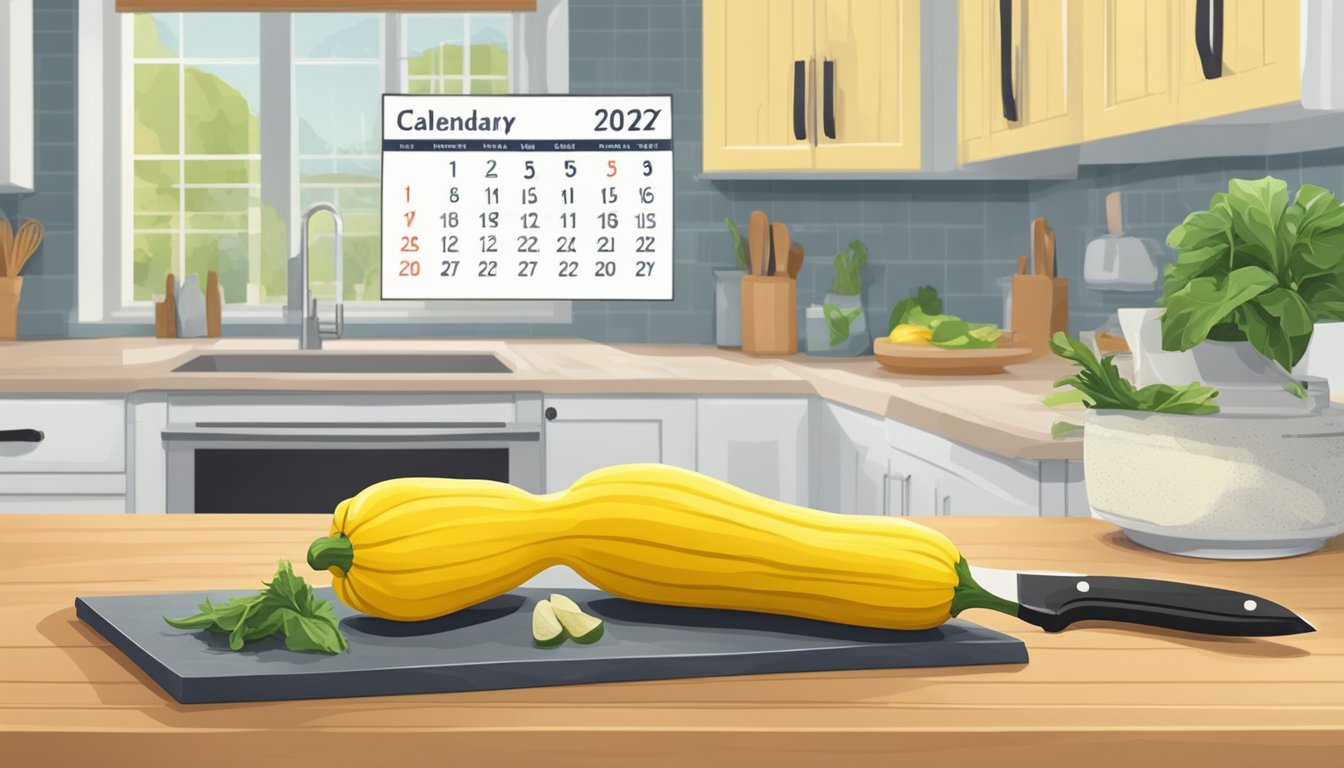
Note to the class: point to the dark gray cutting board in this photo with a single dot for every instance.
(489, 646)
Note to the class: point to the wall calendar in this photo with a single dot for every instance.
(527, 197)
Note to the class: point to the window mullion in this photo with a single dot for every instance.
(278, 151)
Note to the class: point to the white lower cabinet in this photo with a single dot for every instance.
(62, 454)
(870, 465)
(587, 433)
(759, 444)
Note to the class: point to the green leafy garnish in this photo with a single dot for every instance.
(286, 605)
(925, 299)
(839, 321)
(1102, 386)
(739, 245)
(848, 263)
(1254, 268)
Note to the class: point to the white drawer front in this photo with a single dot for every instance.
(78, 435)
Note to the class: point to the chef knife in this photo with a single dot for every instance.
(1053, 601)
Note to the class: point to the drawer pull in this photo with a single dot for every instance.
(21, 436)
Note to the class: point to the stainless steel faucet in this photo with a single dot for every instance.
(311, 330)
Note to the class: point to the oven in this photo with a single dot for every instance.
(243, 454)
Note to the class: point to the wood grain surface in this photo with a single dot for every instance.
(1099, 694)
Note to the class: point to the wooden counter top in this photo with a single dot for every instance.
(1002, 414)
(1097, 695)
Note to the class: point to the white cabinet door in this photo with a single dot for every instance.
(852, 474)
(16, 96)
(587, 433)
(758, 444)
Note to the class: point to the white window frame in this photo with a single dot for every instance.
(105, 168)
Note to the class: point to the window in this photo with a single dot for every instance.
(217, 130)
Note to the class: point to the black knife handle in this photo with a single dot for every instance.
(1006, 60)
(1209, 37)
(1054, 602)
(800, 100)
(21, 436)
(828, 98)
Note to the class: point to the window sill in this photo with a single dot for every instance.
(464, 313)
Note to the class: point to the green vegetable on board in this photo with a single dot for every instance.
(286, 606)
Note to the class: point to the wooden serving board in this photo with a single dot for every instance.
(489, 646)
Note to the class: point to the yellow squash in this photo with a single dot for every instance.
(416, 548)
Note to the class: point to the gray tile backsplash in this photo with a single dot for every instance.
(1155, 197)
(958, 236)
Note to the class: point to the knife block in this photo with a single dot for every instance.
(769, 315)
(1034, 311)
(1059, 305)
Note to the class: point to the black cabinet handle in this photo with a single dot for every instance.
(828, 98)
(21, 436)
(1006, 60)
(800, 100)
(550, 414)
(1209, 37)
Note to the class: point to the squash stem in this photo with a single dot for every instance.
(968, 594)
(331, 551)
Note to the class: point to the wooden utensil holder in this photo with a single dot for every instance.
(9, 307)
(1059, 305)
(769, 315)
(1033, 312)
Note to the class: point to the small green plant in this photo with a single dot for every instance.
(739, 245)
(1099, 385)
(848, 264)
(1254, 268)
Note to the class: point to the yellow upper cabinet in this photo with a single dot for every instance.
(868, 89)
(1246, 57)
(1127, 68)
(1019, 74)
(811, 85)
(752, 51)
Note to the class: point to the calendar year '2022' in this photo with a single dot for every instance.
(527, 197)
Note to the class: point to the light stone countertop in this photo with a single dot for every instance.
(1001, 413)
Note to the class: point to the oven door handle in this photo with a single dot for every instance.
(375, 434)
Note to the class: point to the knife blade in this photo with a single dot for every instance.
(1053, 601)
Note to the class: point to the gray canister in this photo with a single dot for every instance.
(728, 307)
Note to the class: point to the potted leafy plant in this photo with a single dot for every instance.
(1177, 475)
(1253, 275)
(838, 326)
(728, 293)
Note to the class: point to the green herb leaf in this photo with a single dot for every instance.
(1204, 302)
(1324, 295)
(848, 269)
(1297, 388)
(1062, 429)
(1101, 385)
(839, 321)
(1257, 207)
(286, 605)
(1279, 325)
(739, 245)
(925, 299)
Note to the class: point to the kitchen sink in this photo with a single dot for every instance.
(328, 362)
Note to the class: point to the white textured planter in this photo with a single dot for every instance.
(1220, 486)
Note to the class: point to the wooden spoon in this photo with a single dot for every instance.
(779, 237)
(795, 260)
(758, 241)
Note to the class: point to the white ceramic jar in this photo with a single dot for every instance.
(1218, 485)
